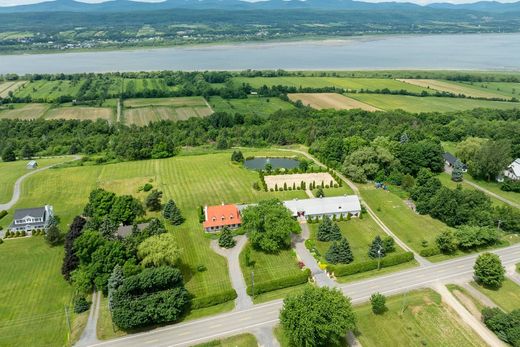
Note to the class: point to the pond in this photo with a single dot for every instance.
(276, 163)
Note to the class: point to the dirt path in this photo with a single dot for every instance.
(467, 303)
(118, 114)
(243, 300)
(496, 196)
(89, 335)
(478, 327)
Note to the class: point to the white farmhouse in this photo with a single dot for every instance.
(29, 219)
(328, 206)
(513, 170)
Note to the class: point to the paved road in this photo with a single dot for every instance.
(233, 323)
(235, 273)
(89, 335)
(18, 185)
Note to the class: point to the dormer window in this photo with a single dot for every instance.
(223, 218)
(230, 216)
(214, 218)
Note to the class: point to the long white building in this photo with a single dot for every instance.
(328, 206)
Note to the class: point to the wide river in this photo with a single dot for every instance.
(467, 52)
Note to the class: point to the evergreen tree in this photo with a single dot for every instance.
(340, 252)
(389, 244)
(226, 239)
(53, 235)
(114, 281)
(27, 151)
(404, 138)
(457, 174)
(172, 213)
(377, 248)
(319, 192)
(237, 156)
(153, 200)
(335, 232)
(324, 229)
(8, 154)
(108, 228)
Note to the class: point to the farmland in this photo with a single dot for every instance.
(81, 112)
(321, 82)
(504, 89)
(33, 294)
(330, 100)
(445, 86)
(6, 87)
(418, 318)
(428, 104)
(48, 91)
(359, 232)
(23, 111)
(253, 105)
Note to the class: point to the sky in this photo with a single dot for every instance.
(420, 2)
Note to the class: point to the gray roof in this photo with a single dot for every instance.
(326, 205)
(126, 230)
(33, 212)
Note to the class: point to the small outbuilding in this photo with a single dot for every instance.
(33, 164)
(450, 160)
(327, 206)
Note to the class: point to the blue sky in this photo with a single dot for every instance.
(21, 2)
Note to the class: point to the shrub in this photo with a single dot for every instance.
(1, 241)
(350, 269)
(279, 283)
(213, 299)
(378, 302)
(81, 304)
(147, 187)
(3, 213)
(429, 251)
(201, 268)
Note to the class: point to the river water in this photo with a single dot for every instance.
(465, 52)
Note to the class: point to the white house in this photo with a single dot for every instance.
(327, 206)
(29, 219)
(32, 165)
(513, 170)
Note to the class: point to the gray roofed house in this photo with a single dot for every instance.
(125, 230)
(327, 206)
(28, 219)
(450, 160)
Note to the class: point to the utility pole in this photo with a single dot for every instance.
(253, 283)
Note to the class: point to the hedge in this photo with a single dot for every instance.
(429, 251)
(213, 299)
(350, 269)
(3, 213)
(280, 283)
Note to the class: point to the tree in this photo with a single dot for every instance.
(99, 203)
(340, 252)
(27, 151)
(377, 248)
(378, 302)
(70, 260)
(489, 270)
(159, 250)
(317, 317)
(491, 159)
(319, 192)
(114, 281)
(153, 200)
(8, 154)
(172, 213)
(53, 235)
(108, 227)
(237, 156)
(388, 244)
(457, 174)
(446, 242)
(269, 225)
(226, 239)
(468, 148)
(328, 230)
(125, 209)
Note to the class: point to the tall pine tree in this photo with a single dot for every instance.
(114, 281)
(377, 248)
(324, 229)
(457, 174)
(172, 213)
(340, 252)
(153, 200)
(226, 239)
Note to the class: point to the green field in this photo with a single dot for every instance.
(321, 82)
(428, 104)
(11, 171)
(33, 294)
(253, 105)
(410, 227)
(23, 111)
(48, 91)
(494, 187)
(507, 296)
(504, 89)
(140, 85)
(244, 340)
(269, 266)
(455, 88)
(417, 318)
(359, 233)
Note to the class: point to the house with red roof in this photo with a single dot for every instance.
(220, 216)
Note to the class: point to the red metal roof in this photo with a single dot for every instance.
(221, 215)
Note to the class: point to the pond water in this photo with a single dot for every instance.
(276, 163)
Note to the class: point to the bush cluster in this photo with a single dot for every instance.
(3, 213)
(280, 283)
(429, 251)
(213, 299)
(350, 269)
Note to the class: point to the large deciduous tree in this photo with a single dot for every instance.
(491, 159)
(269, 225)
(317, 317)
(489, 270)
(8, 154)
(159, 250)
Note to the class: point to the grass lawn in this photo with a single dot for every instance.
(445, 179)
(339, 191)
(33, 294)
(504, 89)
(507, 296)
(494, 187)
(253, 105)
(11, 171)
(428, 104)
(359, 232)
(269, 266)
(244, 340)
(416, 318)
(410, 227)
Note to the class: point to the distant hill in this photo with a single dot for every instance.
(128, 6)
